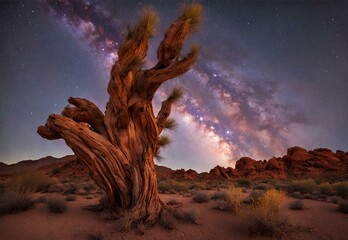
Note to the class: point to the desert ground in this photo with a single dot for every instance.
(316, 219)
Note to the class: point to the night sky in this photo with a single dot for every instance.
(270, 75)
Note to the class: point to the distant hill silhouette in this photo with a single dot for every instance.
(297, 163)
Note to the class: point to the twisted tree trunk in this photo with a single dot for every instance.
(119, 147)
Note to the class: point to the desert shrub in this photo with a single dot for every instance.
(232, 201)
(244, 182)
(303, 186)
(200, 197)
(89, 197)
(167, 221)
(56, 205)
(262, 186)
(266, 218)
(281, 186)
(343, 206)
(335, 199)
(341, 189)
(28, 182)
(255, 196)
(326, 188)
(188, 216)
(220, 195)
(172, 186)
(174, 202)
(70, 188)
(297, 205)
(296, 195)
(70, 198)
(197, 185)
(88, 186)
(55, 188)
(309, 196)
(13, 202)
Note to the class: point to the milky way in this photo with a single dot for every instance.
(234, 105)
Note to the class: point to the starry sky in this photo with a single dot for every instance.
(270, 75)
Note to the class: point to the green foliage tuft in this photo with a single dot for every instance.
(163, 141)
(146, 25)
(170, 124)
(176, 94)
(193, 13)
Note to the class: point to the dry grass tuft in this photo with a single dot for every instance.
(187, 216)
(13, 202)
(29, 182)
(230, 201)
(265, 218)
(200, 197)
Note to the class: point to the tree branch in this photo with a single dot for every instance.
(88, 112)
(166, 108)
(105, 161)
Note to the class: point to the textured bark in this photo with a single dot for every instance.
(119, 147)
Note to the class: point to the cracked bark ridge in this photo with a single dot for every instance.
(118, 147)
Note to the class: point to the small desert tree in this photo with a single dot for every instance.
(118, 147)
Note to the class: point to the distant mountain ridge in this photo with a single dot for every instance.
(297, 163)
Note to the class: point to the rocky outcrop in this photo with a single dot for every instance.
(297, 163)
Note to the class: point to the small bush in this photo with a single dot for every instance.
(70, 188)
(70, 198)
(232, 201)
(172, 186)
(89, 197)
(335, 199)
(263, 186)
(188, 216)
(341, 189)
(244, 182)
(297, 205)
(13, 202)
(220, 195)
(326, 188)
(255, 196)
(281, 186)
(266, 218)
(343, 206)
(56, 205)
(28, 182)
(303, 186)
(174, 202)
(200, 197)
(55, 188)
(167, 221)
(296, 195)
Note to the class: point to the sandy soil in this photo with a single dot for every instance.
(320, 220)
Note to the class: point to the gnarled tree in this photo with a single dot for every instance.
(118, 147)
